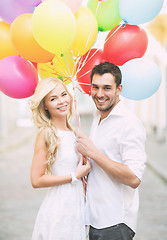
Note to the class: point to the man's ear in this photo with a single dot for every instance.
(119, 88)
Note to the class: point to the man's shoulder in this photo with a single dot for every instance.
(130, 118)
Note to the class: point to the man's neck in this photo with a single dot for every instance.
(104, 114)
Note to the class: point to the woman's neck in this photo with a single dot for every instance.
(60, 123)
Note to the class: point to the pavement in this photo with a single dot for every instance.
(157, 157)
(19, 202)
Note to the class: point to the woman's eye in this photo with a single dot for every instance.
(64, 94)
(52, 99)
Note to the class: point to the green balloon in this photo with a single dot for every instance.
(107, 14)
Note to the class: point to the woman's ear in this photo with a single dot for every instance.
(45, 107)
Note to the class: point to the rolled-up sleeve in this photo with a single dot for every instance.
(132, 147)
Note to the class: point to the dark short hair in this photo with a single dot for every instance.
(107, 67)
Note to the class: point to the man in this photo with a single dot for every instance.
(117, 154)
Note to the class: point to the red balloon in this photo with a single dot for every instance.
(85, 66)
(18, 77)
(127, 43)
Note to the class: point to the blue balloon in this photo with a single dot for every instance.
(136, 12)
(141, 78)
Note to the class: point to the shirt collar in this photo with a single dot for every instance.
(118, 110)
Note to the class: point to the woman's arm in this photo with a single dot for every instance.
(39, 163)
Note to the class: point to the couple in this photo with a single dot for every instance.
(115, 162)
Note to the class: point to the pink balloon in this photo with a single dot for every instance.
(73, 4)
(10, 9)
(18, 77)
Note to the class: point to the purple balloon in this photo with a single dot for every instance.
(33, 3)
(10, 9)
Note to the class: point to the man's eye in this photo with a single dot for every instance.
(94, 87)
(107, 88)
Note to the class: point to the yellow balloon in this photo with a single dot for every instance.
(6, 46)
(158, 28)
(62, 67)
(54, 26)
(87, 30)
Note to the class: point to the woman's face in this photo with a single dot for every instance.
(58, 102)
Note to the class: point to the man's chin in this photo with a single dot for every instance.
(103, 108)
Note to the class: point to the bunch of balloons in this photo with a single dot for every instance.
(56, 37)
(125, 45)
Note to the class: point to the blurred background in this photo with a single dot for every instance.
(19, 203)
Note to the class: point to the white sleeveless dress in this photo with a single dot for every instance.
(61, 215)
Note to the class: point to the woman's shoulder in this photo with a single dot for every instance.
(41, 132)
(40, 138)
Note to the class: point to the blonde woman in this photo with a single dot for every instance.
(55, 165)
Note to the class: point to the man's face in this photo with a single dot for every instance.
(104, 92)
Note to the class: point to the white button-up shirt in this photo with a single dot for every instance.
(121, 137)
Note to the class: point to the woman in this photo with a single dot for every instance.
(55, 165)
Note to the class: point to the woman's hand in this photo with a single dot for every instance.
(83, 168)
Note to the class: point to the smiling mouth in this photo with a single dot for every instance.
(62, 108)
(101, 101)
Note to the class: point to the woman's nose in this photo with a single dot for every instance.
(61, 100)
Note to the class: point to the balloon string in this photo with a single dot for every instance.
(84, 179)
(84, 63)
(86, 84)
(73, 79)
(61, 69)
(89, 37)
(80, 90)
(80, 60)
(56, 74)
(50, 69)
(67, 66)
(85, 73)
(98, 6)
(122, 23)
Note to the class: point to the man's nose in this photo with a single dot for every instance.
(100, 93)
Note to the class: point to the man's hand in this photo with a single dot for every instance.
(84, 145)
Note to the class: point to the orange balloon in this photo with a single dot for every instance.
(6, 46)
(24, 41)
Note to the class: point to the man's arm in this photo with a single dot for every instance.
(118, 171)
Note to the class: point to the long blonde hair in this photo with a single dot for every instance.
(41, 117)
